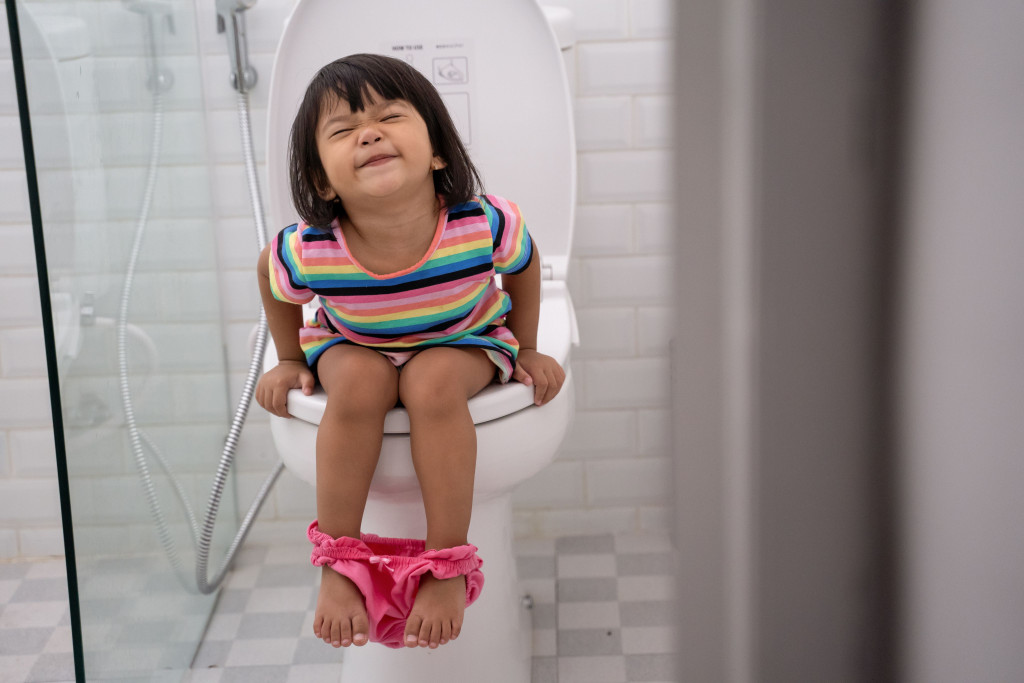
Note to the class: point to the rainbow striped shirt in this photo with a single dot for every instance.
(449, 298)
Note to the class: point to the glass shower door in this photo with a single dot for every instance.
(115, 94)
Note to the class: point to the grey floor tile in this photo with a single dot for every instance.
(255, 674)
(536, 567)
(146, 632)
(544, 670)
(176, 656)
(212, 653)
(571, 545)
(232, 600)
(648, 640)
(590, 642)
(545, 615)
(101, 608)
(659, 667)
(533, 546)
(598, 589)
(250, 555)
(316, 651)
(646, 564)
(8, 587)
(55, 667)
(272, 625)
(315, 673)
(539, 590)
(284, 575)
(14, 570)
(159, 582)
(586, 566)
(604, 669)
(41, 590)
(647, 613)
(24, 641)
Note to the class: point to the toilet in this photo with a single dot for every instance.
(501, 72)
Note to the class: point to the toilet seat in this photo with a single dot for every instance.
(557, 332)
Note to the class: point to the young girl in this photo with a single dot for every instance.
(403, 254)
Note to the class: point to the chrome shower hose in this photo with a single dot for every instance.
(201, 536)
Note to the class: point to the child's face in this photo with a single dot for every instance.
(383, 151)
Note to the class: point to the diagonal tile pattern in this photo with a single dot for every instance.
(602, 612)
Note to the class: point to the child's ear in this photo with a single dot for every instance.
(327, 193)
(437, 163)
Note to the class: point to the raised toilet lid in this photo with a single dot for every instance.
(556, 334)
(500, 72)
(498, 68)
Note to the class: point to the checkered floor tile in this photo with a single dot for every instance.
(602, 613)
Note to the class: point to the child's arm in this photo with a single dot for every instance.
(543, 372)
(284, 321)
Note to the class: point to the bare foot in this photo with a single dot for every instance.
(340, 618)
(436, 615)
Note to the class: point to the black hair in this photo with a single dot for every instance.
(350, 79)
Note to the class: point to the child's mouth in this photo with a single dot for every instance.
(379, 160)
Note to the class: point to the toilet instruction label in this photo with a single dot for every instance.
(448, 64)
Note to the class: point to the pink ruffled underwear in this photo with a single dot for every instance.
(387, 571)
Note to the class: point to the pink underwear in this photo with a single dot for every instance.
(387, 571)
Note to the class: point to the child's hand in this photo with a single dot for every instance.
(272, 389)
(541, 372)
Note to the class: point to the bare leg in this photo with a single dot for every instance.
(435, 387)
(361, 386)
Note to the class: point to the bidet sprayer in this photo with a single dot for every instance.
(155, 13)
(231, 20)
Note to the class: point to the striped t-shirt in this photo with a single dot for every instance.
(449, 298)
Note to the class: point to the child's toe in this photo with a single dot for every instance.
(317, 624)
(344, 633)
(412, 631)
(446, 632)
(424, 635)
(336, 633)
(360, 630)
(436, 634)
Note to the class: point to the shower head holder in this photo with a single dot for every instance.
(231, 21)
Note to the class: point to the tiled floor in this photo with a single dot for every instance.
(602, 613)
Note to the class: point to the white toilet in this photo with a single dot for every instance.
(500, 70)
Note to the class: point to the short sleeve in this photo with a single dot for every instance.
(286, 277)
(513, 248)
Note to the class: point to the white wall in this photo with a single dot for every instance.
(962, 357)
(614, 473)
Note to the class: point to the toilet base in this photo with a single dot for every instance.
(496, 643)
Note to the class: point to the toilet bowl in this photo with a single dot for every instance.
(501, 73)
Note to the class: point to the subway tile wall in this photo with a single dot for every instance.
(614, 472)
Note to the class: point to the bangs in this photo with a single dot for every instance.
(355, 85)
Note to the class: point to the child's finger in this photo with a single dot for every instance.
(281, 403)
(521, 375)
(540, 393)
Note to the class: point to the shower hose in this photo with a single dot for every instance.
(201, 534)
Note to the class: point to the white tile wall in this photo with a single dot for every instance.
(5, 458)
(603, 229)
(611, 474)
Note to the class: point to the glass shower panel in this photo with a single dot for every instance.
(117, 113)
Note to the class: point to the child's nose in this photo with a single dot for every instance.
(369, 135)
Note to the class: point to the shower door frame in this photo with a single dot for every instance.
(49, 338)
